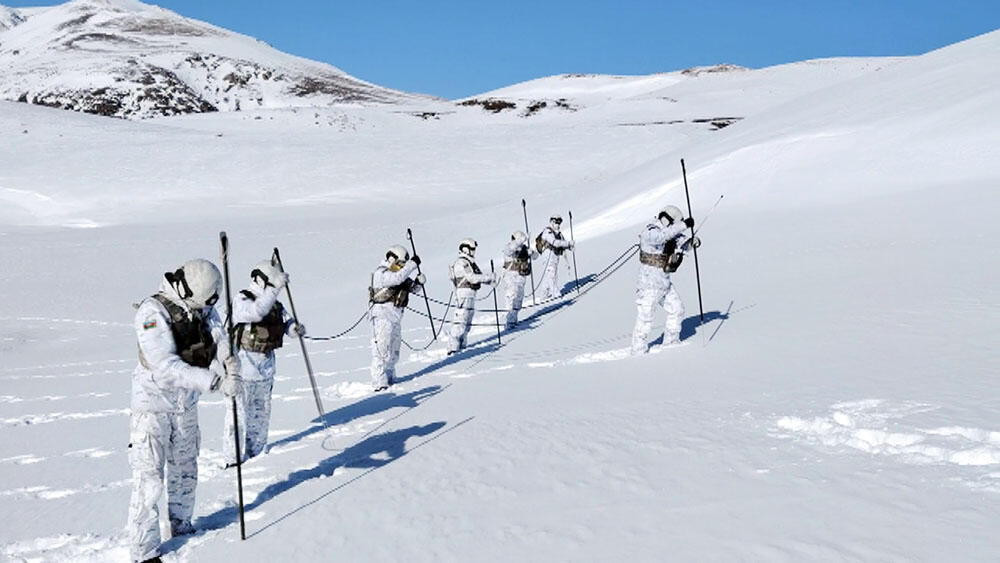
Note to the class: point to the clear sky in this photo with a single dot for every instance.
(456, 48)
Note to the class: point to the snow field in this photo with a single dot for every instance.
(839, 402)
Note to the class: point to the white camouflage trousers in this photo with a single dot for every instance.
(655, 290)
(461, 319)
(158, 442)
(514, 293)
(253, 407)
(548, 286)
(387, 320)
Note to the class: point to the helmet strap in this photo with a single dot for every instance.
(177, 280)
(256, 273)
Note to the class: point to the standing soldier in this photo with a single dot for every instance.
(183, 352)
(517, 261)
(467, 278)
(260, 323)
(389, 294)
(551, 245)
(662, 245)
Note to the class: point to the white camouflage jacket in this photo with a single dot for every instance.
(172, 385)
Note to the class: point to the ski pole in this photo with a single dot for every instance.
(697, 272)
(413, 246)
(576, 276)
(527, 231)
(302, 341)
(224, 241)
(496, 306)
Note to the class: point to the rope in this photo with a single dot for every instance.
(336, 336)
(627, 254)
(598, 278)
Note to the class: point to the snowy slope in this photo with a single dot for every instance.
(9, 18)
(124, 58)
(840, 401)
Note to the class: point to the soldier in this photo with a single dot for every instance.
(551, 244)
(183, 352)
(662, 245)
(467, 278)
(261, 323)
(517, 261)
(389, 294)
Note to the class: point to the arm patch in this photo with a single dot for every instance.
(150, 323)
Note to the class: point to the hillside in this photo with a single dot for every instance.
(123, 58)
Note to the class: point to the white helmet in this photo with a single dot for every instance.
(671, 213)
(397, 253)
(519, 236)
(197, 282)
(468, 246)
(265, 272)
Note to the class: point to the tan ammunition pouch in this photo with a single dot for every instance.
(264, 336)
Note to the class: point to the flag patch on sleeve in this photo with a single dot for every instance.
(151, 323)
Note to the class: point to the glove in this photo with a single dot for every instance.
(280, 280)
(689, 222)
(572, 245)
(232, 383)
(416, 259)
(421, 279)
(297, 329)
(695, 242)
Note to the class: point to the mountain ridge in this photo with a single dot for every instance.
(123, 58)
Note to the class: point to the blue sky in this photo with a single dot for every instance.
(453, 48)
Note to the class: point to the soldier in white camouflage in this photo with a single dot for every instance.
(261, 323)
(183, 352)
(662, 245)
(517, 257)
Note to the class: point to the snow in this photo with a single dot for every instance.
(839, 402)
(134, 60)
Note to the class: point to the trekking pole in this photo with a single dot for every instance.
(697, 272)
(224, 241)
(496, 306)
(572, 238)
(302, 341)
(527, 231)
(413, 246)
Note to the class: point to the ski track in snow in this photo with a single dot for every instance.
(30, 419)
(68, 375)
(90, 548)
(43, 492)
(877, 427)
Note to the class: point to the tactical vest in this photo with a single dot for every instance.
(192, 336)
(398, 295)
(541, 244)
(462, 283)
(521, 263)
(264, 335)
(668, 260)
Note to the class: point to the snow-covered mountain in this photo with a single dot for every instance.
(9, 18)
(127, 59)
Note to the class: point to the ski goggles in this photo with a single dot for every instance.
(556, 220)
(212, 300)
